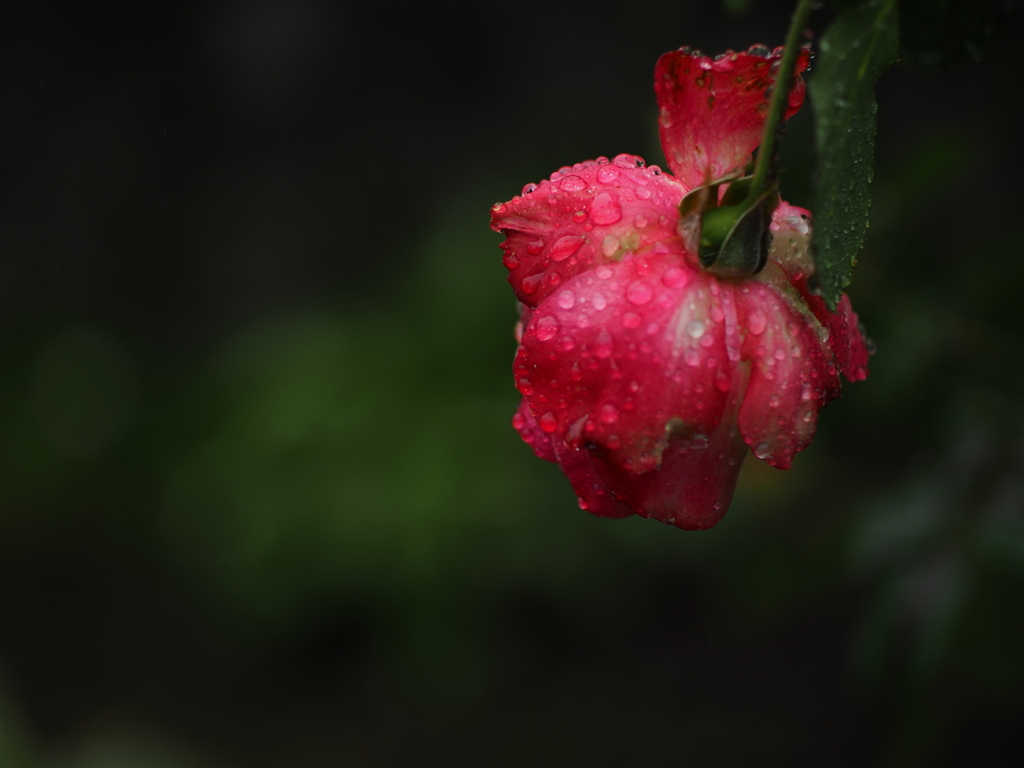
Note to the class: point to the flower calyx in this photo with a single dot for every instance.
(729, 232)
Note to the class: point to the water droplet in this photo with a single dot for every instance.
(546, 328)
(566, 299)
(579, 217)
(499, 208)
(609, 246)
(643, 193)
(757, 321)
(530, 284)
(675, 277)
(722, 382)
(780, 354)
(518, 421)
(717, 314)
(582, 503)
(510, 260)
(575, 373)
(614, 442)
(603, 272)
(763, 451)
(572, 184)
(529, 188)
(631, 320)
(565, 247)
(603, 344)
(639, 292)
(695, 328)
(607, 174)
(628, 161)
(598, 301)
(549, 422)
(691, 357)
(605, 210)
(774, 401)
(640, 221)
(524, 386)
(609, 413)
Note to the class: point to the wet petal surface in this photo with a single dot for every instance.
(593, 213)
(712, 110)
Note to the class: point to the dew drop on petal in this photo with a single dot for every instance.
(572, 184)
(549, 422)
(566, 299)
(580, 216)
(757, 321)
(675, 277)
(518, 421)
(639, 292)
(722, 382)
(607, 174)
(546, 328)
(603, 272)
(643, 193)
(691, 357)
(631, 320)
(605, 210)
(763, 451)
(603, 344)
(695, 328)
(564, 247)
(532, 283)
(582, 503)
(609, 413)
(568, 343)
(717, 314)
(614, 442)
(774, 401)
(609, 246)
(525, 386)
(599, 301)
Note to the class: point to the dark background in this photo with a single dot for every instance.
(260, 502)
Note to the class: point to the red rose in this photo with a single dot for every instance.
(644, 375)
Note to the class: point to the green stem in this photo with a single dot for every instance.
(780, 95)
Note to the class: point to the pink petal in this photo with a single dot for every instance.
(712, 110)
(791, 370)
(695, 482)
(535, 437)
(594, 495)
(594, 213)
(790, 249)
(627, 357)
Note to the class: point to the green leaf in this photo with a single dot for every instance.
(854, 52)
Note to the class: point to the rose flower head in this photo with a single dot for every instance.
(645, 374)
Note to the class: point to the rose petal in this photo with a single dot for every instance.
(594, 495)
(535, 437)
(791, 250)
(695, 482)
(712, 110)
(791, 370)
(638, 359)
(594, 213)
